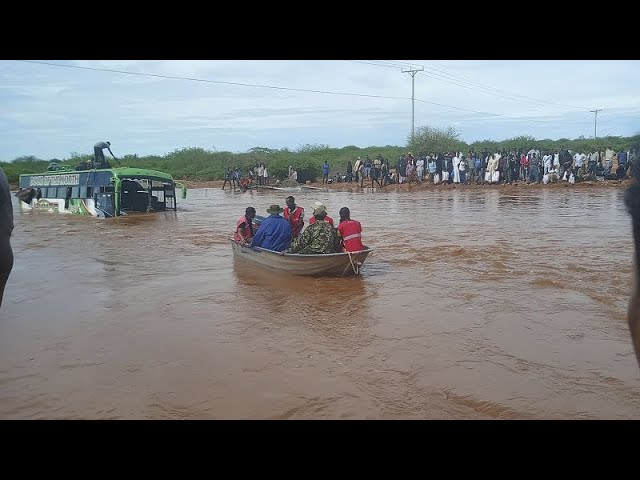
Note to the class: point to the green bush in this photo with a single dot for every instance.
(198, 164)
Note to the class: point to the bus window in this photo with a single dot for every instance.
(75, 192)
(89, 192)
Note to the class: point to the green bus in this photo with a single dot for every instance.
(105, 193)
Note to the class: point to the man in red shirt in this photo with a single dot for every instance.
(294, 214)
(244, 226)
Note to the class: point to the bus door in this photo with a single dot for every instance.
(105, 206)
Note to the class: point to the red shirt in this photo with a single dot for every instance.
(296, 221)
(246, 232)
(351, 232)
(312, 220)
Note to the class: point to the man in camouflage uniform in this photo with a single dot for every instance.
(319, 237)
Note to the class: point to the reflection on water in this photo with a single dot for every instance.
(476, 303)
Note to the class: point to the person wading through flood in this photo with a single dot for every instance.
(6, 228)
(295, 215)
(244, 226)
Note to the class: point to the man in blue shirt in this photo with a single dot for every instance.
(274, 232)
(325, 172)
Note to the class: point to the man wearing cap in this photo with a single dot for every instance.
(274, 232)
(327, 218)
(319, 237)
(294, 214)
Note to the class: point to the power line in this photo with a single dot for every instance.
(467, 84)
(391, 64)
(471, 82)
(173, 77)
(470, 85)
(240, 84)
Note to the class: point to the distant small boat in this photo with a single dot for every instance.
(300, 188)
(342, 264)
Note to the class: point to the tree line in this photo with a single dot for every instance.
(198, 164)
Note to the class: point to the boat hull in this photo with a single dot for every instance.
(325, 265)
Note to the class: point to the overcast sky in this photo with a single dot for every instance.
(51, 111)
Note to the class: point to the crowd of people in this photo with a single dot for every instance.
(257, 175)
(532, 166)
(237, 180)
(287, 233)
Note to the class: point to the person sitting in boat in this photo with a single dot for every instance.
(295, 215)
(319, 237)
(274, 232)
(327, 218)
(244, 226)
(350, 232)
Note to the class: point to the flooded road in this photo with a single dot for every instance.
(476, 304)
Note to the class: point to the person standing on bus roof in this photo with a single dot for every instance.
(6, 228)
(102, 162)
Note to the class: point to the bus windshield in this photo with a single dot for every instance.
(146, 194)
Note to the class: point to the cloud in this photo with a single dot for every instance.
(50, 111)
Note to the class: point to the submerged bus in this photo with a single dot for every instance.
(108, 192)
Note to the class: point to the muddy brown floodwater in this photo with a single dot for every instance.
(476, 304)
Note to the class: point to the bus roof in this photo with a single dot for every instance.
(120, 172)
(126, 172)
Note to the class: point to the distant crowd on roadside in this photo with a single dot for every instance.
(473, 167)
(484, 167)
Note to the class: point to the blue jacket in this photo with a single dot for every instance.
(622, 157)
(274, 234)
